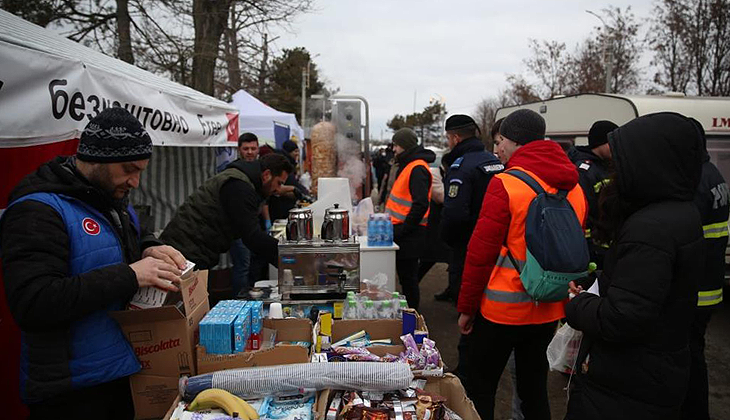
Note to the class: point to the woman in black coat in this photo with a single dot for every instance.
(634, 359)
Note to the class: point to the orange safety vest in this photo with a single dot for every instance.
(400, 201)
(505, 300)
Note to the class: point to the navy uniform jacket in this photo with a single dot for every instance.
(592, 177)
(469, 168)
(713, 202)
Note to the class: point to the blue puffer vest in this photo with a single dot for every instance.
(99, 352)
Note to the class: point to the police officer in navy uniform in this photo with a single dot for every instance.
(713, 201)
(468, 170)
(592, 162)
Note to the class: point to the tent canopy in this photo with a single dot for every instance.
(52, 86)
(269, 125)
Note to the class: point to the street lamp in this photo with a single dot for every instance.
(607, 54)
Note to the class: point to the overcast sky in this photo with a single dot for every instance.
(385, 50)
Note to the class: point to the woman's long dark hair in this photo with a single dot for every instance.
(613, 210)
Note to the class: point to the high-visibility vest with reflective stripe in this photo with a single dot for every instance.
(505, 300)
(400, 201)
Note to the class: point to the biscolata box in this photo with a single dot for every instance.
(164, 341)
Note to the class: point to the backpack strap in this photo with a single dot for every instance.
(527, 179)
(530, 181)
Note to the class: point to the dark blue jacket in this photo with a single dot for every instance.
(66, 250)
(469, 168)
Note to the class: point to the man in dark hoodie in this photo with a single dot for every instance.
(637, 331)
(469, 168)
(493, 304)
(286, 197)
(226, 207)
(593, 162)
(72, 251)
(408, 206)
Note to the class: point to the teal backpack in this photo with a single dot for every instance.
(557, 252)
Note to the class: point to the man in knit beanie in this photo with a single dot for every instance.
(408, 206)
(495, 310)
(593, 162)
(72, 251)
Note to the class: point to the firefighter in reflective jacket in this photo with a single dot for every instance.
(592, 163)
(408, 205)
(713, 201)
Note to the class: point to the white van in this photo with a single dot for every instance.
(568, 119)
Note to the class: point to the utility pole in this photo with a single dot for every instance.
(305, 84)
(607, 53)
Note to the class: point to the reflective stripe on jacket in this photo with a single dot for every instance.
(505, 300)
(400, 200)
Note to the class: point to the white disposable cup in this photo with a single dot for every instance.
(275, 311)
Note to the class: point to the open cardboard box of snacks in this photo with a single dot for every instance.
(379, 329)
(287, 331)
(448, 386)
(164, 339)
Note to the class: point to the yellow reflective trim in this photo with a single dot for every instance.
(709, 297)
(715, 230)
(587, 233)
(600, 184)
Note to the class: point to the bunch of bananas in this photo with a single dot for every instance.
(218, 398)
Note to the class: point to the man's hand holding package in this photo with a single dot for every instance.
(155, 272)
(166, 253)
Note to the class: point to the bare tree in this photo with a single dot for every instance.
(549, 62)
(124, 52)
(519, 91)
(717, 77)
(668, 38)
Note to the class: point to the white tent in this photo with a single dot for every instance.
(50, 87)
(264, 121)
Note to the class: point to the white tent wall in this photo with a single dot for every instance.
(258, 118)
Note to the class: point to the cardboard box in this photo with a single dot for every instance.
(450, 387)
(164, 341)
(447, 386)
(286, 330)
(152, 395)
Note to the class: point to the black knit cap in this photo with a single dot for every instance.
(459, 121)
(289, 146)
(523, 126)
(598, 134)
(406, 138)
(114, 135)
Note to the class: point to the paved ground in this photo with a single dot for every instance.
(441, 319)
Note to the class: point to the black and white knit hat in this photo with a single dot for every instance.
(114, 135)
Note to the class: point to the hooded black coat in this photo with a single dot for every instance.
(634, 359)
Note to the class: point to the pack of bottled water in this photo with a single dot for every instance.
(380, 230)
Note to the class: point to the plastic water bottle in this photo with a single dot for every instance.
(388, 240)
(350, 311)
(395, 303)
(372, 227)
(386, 310)
(380, 232)
(403, 305)
(369, 310)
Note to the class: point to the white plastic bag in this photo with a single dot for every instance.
(563, 349)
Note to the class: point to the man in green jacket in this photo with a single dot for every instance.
(225, 208)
